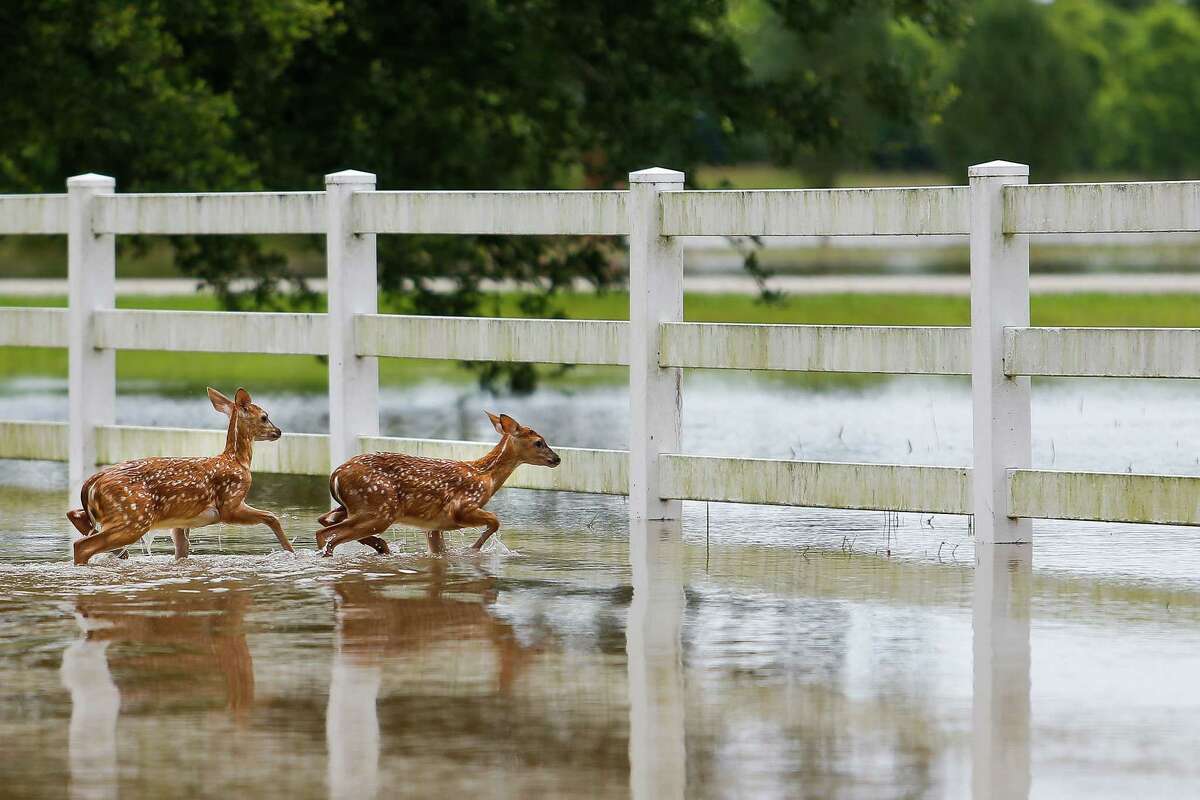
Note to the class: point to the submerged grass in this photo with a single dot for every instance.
(182, 372)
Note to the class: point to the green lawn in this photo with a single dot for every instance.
(183, 372)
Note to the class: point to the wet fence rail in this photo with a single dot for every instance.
(1000, 350)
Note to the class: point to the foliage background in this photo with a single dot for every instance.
(244, 94)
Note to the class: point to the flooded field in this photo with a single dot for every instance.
(750, 652)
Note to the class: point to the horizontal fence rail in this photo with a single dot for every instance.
(513, 213)
(816, 348)
(33, 327)
(822, 484)
(817, 212)
(33, 214)
(1103, 352)
(212, 331)
(214, 213)
(545, 341)
(1105, 496)
(1160, 207)
(35, 440)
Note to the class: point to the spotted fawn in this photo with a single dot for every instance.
(377, 490)
(123, 502)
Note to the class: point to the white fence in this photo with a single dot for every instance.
(1000, 350)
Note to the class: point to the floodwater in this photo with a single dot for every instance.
(750, 652)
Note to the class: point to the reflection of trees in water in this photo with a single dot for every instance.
(769, 714)
(811, 742)
(764, 637)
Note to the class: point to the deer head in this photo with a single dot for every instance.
(528, 445)
(252, 420)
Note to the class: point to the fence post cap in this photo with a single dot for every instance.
(656, 175)
(90, 179)
(350, 176)
(994, 169)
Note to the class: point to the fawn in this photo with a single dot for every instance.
(123, 502)
(377, 490)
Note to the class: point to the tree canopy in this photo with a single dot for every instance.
(1152, 101)
(1018, 91)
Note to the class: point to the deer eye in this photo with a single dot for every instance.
(539, 443)
(264, 417)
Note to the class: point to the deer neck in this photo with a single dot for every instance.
(239, 443)
(499, 463)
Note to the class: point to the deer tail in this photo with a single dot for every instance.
(338, 514)
(84, 518)
(333, 488)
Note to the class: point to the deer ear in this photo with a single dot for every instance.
(242, 398)
(220, 402)
(508, 425)
(496, 423)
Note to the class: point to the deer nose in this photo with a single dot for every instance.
(557, 460)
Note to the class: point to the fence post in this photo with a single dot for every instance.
(352, 289)
(91, 285)
(1000, 404)
(655, 296)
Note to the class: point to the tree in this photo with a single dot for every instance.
(1021, 94)
(856, 80)
(1150, 103)
(146, 92)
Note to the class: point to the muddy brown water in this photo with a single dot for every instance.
(769, 652)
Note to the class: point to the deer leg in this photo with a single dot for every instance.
(434, 538)
(326, 534)
(473, 518)
(328, 522)
(116, 538)
(333, 517)
(339, 515)
(248, 515)
(323, 535)
(353, 529)
(180, 537)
